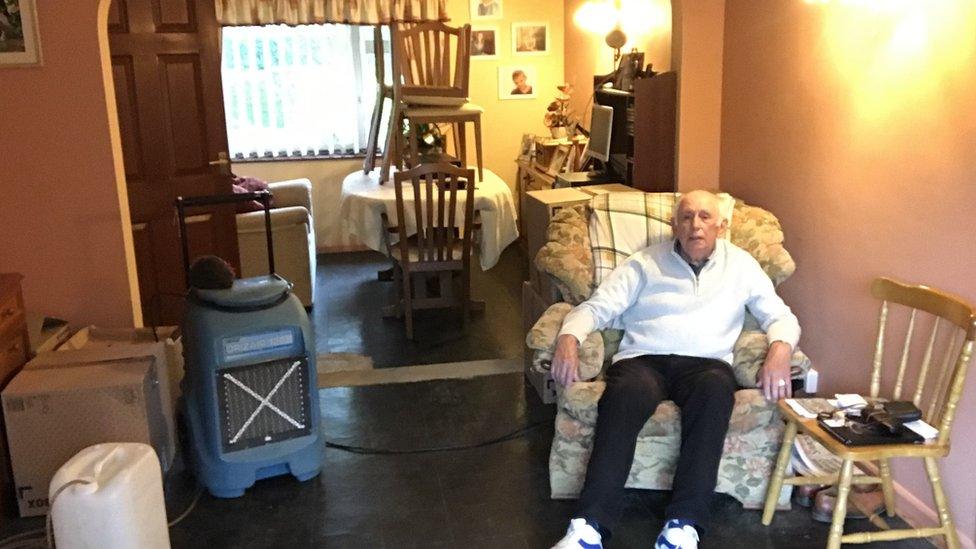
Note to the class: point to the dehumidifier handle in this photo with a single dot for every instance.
(182, 203)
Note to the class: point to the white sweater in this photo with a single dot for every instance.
(665, 309)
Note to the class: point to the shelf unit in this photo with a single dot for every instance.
(642, 148)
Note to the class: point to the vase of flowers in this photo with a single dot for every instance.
(557, 117)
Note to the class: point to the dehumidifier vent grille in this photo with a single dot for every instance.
(263, 403)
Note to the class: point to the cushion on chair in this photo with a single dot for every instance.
(758, 232)
(432, 100)
(542, 339)
(566, 255)
(446, 111)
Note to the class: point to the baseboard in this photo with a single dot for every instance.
(916, 513)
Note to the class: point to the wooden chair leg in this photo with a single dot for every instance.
(941, 504)
(374, 132)
(884, 467)
(477, 147)
(408, 302)
(462, 143)
(776, 482)
(840, 507)
(466, 294)
(414, 140)
(391, 152)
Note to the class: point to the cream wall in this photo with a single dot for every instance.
(503, 122)
(64, 223)
(588, 53)
(857, 128)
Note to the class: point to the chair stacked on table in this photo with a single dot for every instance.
(431, 73)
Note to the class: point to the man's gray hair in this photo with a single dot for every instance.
(679, 196)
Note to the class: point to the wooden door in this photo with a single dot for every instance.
(166, 67)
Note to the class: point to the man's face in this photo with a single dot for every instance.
(697, 224)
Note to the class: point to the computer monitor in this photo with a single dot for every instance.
(601, 125)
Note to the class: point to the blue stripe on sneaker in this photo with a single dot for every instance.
(585, 545)
(663, 543)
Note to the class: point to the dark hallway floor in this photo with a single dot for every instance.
(347, 315)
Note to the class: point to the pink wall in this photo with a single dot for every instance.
(696, 52)
(60, 210)
(857, 129)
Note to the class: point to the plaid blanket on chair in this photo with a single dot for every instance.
(623, 223)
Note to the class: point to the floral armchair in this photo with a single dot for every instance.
(573, 263)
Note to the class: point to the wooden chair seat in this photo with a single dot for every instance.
(860, 453)
(938, 398)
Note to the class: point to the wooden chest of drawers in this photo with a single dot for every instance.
(14, 352)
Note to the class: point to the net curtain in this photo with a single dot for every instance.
(303, 12)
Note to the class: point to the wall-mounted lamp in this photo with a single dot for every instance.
(603, 17)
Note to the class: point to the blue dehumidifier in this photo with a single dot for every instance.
(249, 391)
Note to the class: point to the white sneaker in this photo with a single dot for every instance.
(580, 535)
(677, 534)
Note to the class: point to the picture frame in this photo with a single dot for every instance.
(527, 147)
(484, 43)
(486, 10)
(558, 161)
(530, 38)
(629, 68)
(517, 82)
(19, 38)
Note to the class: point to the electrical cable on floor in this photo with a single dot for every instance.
(388, 452)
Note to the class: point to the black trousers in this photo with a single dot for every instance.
(704, 390)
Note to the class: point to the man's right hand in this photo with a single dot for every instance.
(565, 363)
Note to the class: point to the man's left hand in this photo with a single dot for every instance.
(774, 376)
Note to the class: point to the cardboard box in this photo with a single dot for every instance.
(532, 308)
(53, 412)
(94, 346)
(137, 341)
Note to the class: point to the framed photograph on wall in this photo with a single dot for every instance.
(19, 40)
(484, 42)
(483, 10)
(530, 38)
(517, 82)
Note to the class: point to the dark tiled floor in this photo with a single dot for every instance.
(491, 496)
(347, 315)
(494, 496)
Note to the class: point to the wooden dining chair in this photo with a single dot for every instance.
(950, 345)
(439, 199)
(431, 73)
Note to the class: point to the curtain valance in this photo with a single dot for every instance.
(303, 12)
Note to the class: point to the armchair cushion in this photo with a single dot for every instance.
(293, 192)
(542, 339)
(280, 218)
(758, 232)
(566, 256)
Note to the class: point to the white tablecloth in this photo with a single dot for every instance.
(363, 200)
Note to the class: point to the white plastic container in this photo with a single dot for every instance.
(117, 503)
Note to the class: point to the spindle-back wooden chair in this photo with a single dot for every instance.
(937, 391)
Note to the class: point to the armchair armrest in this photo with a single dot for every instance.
(293, 192)
(252, 222)
(541, 339)
(750, 352)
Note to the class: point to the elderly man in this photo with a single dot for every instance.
(682, 304)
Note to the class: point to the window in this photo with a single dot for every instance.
(299, 91)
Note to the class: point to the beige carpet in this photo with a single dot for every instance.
(350, 370)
